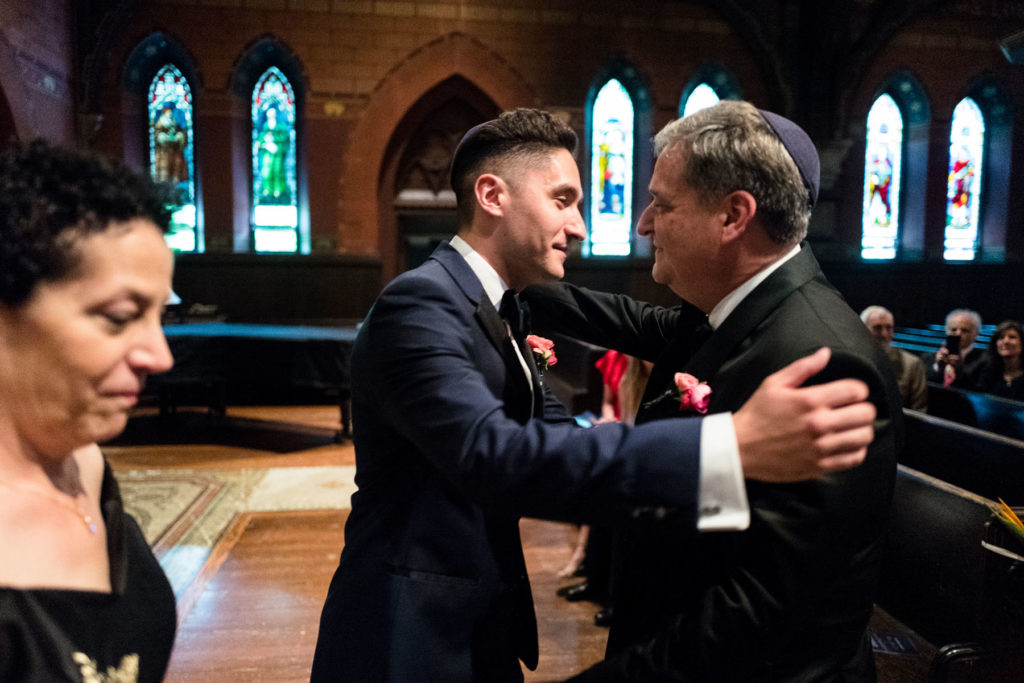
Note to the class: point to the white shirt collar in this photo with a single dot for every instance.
(493, 285)
(728, 304)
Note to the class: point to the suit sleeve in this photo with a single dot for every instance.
(613, 321)
(419, 362)
(776, 575)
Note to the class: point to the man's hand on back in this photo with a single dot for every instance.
(786, 432)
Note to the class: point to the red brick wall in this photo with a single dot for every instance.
(368, 62)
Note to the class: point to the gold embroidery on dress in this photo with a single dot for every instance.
(127, 672)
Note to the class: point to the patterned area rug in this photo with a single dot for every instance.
(183, 513)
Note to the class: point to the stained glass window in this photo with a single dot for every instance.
(702, 97)
(611, 173)
(882, 163)
(966, 146)
(171, 152)
(274, 184)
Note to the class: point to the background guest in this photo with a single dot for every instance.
(1002, 373)
(958, 367)
(84, 275)
(624, 379)
(909, 369)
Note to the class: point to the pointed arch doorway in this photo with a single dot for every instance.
(418, 205)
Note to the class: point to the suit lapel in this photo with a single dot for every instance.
(666, 365)
(492, 324)
(751, 312)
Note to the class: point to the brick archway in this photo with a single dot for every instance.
(15, 122)
(368, 223)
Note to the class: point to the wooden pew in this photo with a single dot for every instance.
(929, 339)
(974, 409)
(957, 605)
(984, 463)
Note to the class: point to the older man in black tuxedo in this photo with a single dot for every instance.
(790, 598)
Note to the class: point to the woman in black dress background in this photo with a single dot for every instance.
(84, 276)
(1003, 375)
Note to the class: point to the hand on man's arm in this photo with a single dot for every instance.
(786, 432)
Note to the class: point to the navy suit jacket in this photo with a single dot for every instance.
(790, 598)
(431, 585)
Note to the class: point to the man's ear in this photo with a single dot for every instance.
(491, 193)
(739, 208)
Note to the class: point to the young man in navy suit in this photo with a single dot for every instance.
(789, 599)
(456, 436)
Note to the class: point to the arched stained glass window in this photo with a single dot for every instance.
(171, 152)
(882, 166)
(702, 97)
(966, 148)
(611, 173)
(274, 186)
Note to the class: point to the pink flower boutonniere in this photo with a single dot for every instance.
(543, 351)
(691, 393)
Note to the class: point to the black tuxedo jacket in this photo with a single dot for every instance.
(790, 598)
(431, 585)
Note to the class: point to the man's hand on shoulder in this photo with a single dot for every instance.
(786, 432)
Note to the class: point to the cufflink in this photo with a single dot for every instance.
(710, 510)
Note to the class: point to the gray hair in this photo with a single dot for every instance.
(731, 147)
(874, 310)
(973, 315)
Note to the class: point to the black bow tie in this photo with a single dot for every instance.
(515, 313)
(701, 333)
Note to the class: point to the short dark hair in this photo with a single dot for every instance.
(518, 135)
(50, 197)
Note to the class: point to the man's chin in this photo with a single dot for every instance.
(554, 272)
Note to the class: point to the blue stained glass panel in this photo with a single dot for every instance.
(274, 178)
(882, 166)
(966, 147)
(171, 152)
(611, 173)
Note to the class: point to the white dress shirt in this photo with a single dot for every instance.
(719, 453)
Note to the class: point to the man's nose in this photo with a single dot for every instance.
(576, 228)
(644, 223)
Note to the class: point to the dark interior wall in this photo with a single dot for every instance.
(321, 288)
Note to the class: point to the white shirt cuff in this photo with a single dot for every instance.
(722, 497)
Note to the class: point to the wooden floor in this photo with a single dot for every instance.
(252, 612)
